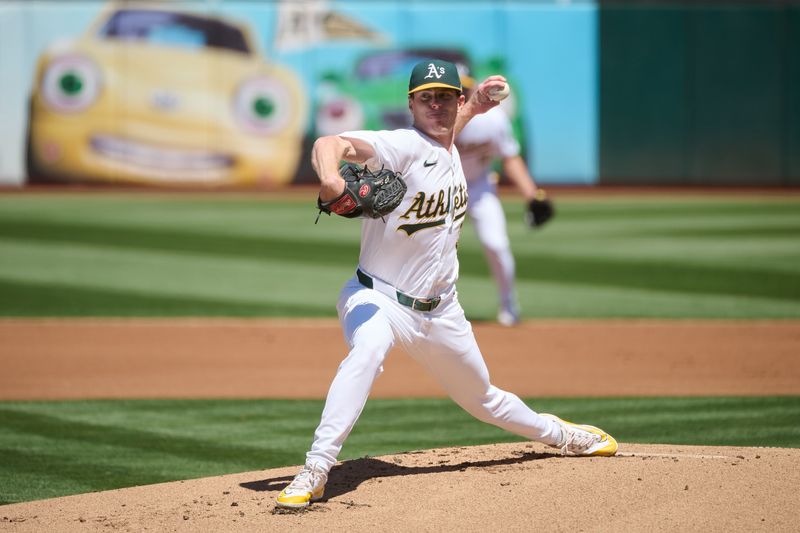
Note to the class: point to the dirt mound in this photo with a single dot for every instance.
(502, 487)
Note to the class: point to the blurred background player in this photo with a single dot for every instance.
(483, 140)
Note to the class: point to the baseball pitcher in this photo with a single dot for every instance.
(403, 291)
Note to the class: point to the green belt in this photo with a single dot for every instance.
(418, 304)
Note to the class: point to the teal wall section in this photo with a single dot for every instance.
(547, 48)
(699, 95)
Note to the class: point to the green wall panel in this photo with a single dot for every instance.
(643, 112)
(700, 94)
(738, 82)
(792, 126)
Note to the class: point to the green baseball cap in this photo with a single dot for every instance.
(433, 73)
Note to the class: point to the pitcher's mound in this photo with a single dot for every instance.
(502, 487)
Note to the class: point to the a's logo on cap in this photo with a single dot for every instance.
(433, 72)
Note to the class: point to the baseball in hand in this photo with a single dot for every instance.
(498, 93)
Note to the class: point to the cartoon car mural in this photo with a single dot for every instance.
(374, 96)
(155, 95)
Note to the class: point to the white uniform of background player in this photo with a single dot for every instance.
(483, 140)
(404, 291)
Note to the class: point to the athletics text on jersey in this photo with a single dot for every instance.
(414, 249)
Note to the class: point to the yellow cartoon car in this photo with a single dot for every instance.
(153, 95)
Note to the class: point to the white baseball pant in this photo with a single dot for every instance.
(441, 340)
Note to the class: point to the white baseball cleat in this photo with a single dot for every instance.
(306, 487)
(507, 318)
(583, 439)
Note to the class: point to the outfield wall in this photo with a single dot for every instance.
(613, 93)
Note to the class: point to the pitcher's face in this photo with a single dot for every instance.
(435, 110)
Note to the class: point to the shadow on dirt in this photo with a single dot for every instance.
(347, 476)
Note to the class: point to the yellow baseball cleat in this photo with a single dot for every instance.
(306, 487)
(583, 439)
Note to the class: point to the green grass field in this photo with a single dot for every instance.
(57, 448)
(104, 254)
(168, 255)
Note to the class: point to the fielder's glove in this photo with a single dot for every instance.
(366, 194)
(539, 210)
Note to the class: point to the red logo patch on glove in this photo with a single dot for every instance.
(343, 205)
(366, 194)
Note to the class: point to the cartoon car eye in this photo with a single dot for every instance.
(339, 114)
(71, 83)
(263, 106)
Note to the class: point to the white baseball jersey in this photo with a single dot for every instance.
(484, 138)
(414, 249)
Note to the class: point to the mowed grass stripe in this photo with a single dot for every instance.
(135, 440)
(658, 275)
(246, 285)
(766, 231)
(59, 448)
(101, 282)
(756, 421)
(232, 216)
(241, 256)
(42, 475)
(670, 276)
(31, 299)
(174, 241)
(680, 208)
(238, 208)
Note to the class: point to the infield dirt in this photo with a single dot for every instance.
(504, 487)
(232, 358)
